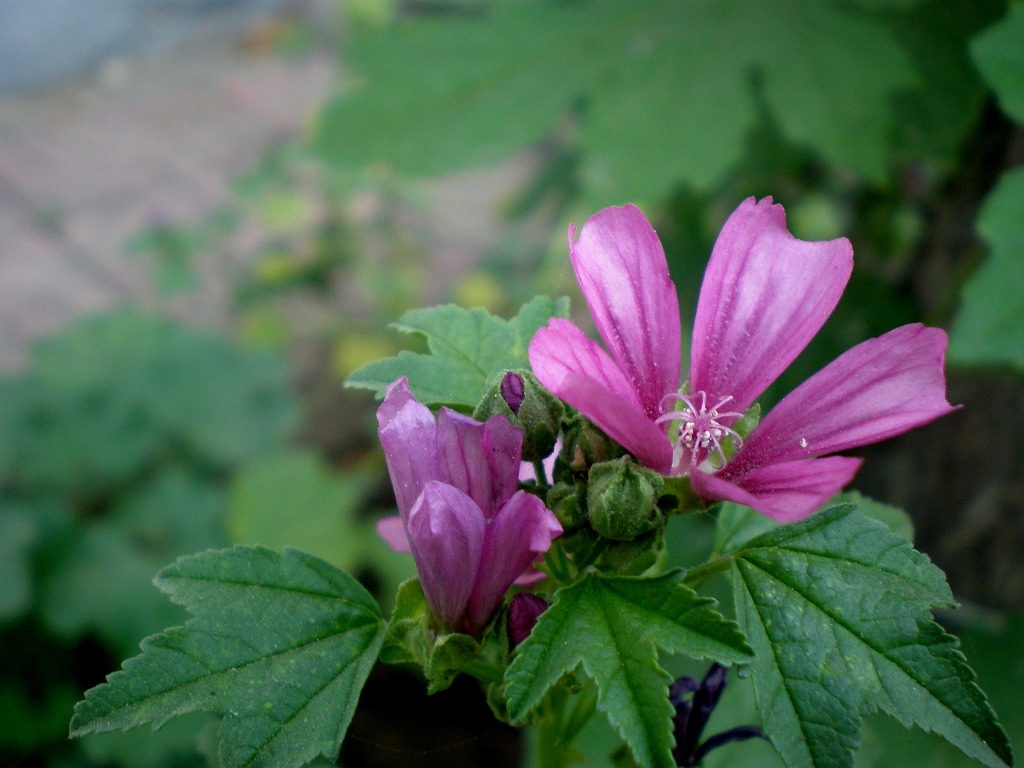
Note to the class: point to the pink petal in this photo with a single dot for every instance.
(765, 294)
(407, 433)
(392, 530)
(447, 530)
(621, 421)
(785, 492)
(621, 268)
(576, 370)
(561, 349)
(521, 530)
(480, 459)
(880, 388)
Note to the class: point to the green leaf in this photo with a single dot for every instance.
(467, 348)
(280, 644)
(294, 499)
(102, 581)
(990, 326)
(18, 534)
(737, 524)
(612, 626)
(665, 92)
(116, 393)
(999, 54)
(837, 610)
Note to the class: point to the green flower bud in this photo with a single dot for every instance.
(631, 558)
(622, 499)
(568, 502)
(519, 397)
(585, 444)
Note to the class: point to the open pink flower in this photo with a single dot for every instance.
(764, 296)
(469, 529)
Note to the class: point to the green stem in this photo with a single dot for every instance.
(698, 575)
(538, 470)
(483, 671)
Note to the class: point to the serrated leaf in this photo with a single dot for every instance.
(837, 611)
(663, 90)
(990, 326)
(279, 644)
(467, 347)
(613, 627)
(999, 54)
(736, 524)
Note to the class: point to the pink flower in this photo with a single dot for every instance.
(765, 295)
(469, 529)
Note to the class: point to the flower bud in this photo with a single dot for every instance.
(585, 444)
(513, 391)
(522, 616)
(622, 499)
(631, 558)
(568, 502)
(522, 400)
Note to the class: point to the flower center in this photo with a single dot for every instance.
(700, 429)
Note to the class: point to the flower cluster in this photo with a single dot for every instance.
(765, 295)
(471, 532)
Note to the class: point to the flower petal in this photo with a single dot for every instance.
(392, 530)
(407, 433)
(447, 530)
(785, 492)
(765, 295)
(621, 268)
(880, 388)
(576, 370)
(521, 529)
(480, 459)
(561, 349)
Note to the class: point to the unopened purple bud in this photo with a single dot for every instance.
(522, 616)
(513, 391)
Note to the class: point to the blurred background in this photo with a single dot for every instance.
(211, 210)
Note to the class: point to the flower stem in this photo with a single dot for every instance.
(538, 470)
(483, 671)
(696, 576)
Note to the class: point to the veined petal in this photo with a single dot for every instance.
(407, 433)
(787, 491)
(880, 388)
(480, 459)
(765, 295)
(576, 370)
(521, 530)
(621, 268)
(560, 350)
(447, 530)
(392, 530)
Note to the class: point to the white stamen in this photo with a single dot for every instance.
(700, 431)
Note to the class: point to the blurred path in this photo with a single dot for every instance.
(87, 164)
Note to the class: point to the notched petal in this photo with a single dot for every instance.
(765, 295)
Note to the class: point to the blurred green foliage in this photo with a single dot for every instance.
(117, 444)
(658, 93)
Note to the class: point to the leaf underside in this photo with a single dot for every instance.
(279, 644)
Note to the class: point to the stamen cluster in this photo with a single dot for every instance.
(701, 429)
